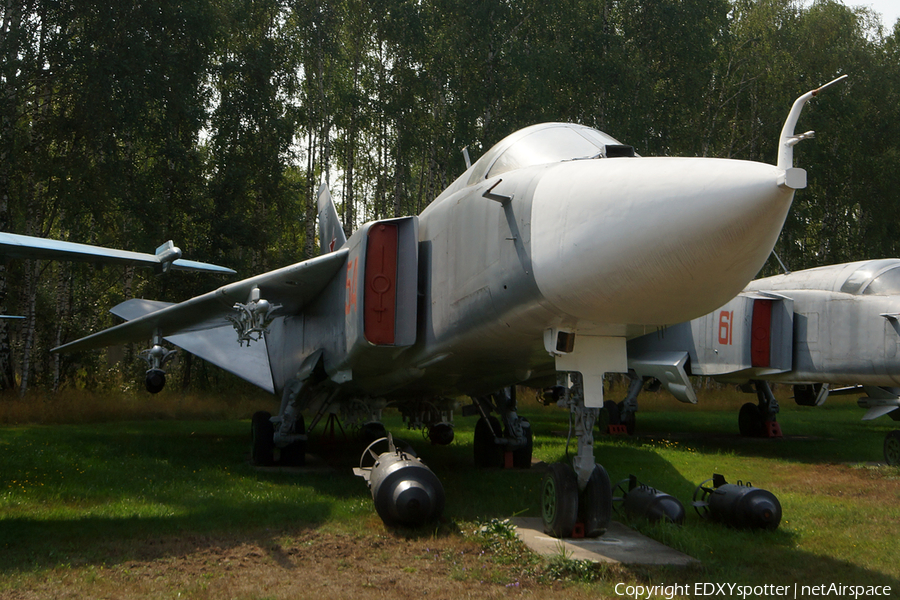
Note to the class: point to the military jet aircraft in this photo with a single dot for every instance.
(543, 257)
(837, 325)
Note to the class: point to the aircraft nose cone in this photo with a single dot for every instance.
(653, 240)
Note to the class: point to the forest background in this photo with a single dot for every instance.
(212, 123)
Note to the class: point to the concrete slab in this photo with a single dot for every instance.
(619, 544)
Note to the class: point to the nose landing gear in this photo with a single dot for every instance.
(577, 500)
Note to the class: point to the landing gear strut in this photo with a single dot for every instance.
(577, 498)
(760, 420)
(496, 437)
(629, 406)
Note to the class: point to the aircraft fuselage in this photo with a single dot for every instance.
(602, 247)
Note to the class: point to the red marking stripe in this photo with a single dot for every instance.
(380, 297)
(761, 333)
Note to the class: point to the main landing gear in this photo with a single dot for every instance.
(760, 420)
(262, 442)
(577, 500)
(506, 441)
(621, 417)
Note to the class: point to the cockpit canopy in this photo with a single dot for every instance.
(875, 278)
(542, 144)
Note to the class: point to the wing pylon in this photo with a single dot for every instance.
(292, 287)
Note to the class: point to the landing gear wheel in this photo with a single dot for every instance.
(892, 448)
(750, 421)
(371, 431)
(603, 420)
(522, 456)
(488, 453)
(629, 420)
(559, 500)
(613, 409)
(262, 442)
(294, 455)
(595, 508)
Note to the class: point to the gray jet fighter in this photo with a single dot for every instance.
(544, 257)
(837, 325)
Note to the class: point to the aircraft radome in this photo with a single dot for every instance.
(837, 325)
(541, 259)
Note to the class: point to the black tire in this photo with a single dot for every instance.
(294, 455)
(892, 448)
(262, 442)
(596, 505)
(750, 421)
(522, 456)
(371, 431)
(559, 500)
(488, 454)
(613, 409)
(603, 421)
(629, 421)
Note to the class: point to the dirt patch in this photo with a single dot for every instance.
(307, 564)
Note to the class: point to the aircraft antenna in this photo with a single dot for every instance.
(465, 152)
(783, 266)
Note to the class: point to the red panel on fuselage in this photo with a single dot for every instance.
(380, 296)
(761, 333)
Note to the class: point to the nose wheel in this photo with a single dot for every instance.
(559, 500)
(595, 503)
(564, 509)
(577, 498)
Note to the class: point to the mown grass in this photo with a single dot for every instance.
(80, 406)
(81, 493)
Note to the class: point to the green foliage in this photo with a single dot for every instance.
(562, 566)
(213, 122)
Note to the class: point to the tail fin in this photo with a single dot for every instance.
(331, 234)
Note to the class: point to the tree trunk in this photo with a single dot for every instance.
(186, 364)
(31, 267)
(10, 29)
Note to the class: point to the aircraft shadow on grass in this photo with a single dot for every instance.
(125, 463)
(170, 475)
(807, 436)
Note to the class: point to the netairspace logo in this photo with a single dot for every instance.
(734, 590)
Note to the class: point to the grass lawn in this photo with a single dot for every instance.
(86, 505)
